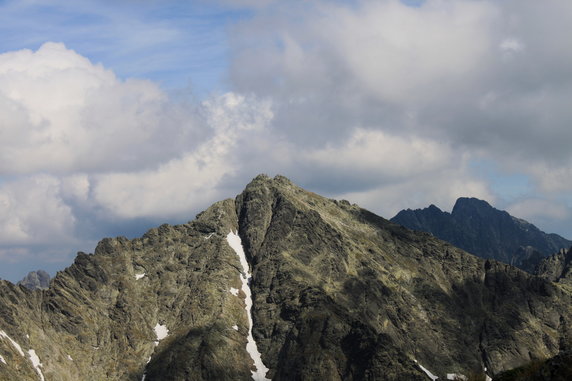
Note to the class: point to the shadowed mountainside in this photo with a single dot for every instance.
(475, 226)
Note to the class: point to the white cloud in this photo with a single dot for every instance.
(440, 188)
(533, 209)
(399, 53)
(553, 178)
(33, 212)
(62, 113)
(185, 183)
(81, 149)
(376, 153)
(482, 79)
(511, 44)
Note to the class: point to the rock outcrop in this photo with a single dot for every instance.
(557, 368)
(475, 226)
(338, 294)
(557, 267)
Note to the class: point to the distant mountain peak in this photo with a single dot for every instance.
(36, 280)
(470, 203)
(476, 226)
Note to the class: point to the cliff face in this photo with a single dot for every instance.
(557, 267)
(338, 293)
(480, 229)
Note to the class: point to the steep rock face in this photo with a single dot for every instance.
(36, 280)
(97, 320)
(343, 293)
(480, 229)
(338, 293)
(557, 267)
(557, 368)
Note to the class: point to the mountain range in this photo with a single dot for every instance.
(280, 283)
(477, 227)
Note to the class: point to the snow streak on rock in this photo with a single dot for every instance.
(14, 344)
(236, 244)
(139, 276)
(2, 359)
(427, 372)
(36, 363)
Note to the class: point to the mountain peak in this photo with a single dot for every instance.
(334, 292)
(470, 204)
(476, 226)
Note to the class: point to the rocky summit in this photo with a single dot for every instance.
(480, 229)
(36, 280)
(308, 289)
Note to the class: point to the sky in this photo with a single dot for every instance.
(118, 116)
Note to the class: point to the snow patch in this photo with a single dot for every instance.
(2, 360)
(209, 236)
(70, 358)
(148, 361)
(139, 276)
(36, 363)
(161, 332)
(456, 376)
(487, 378)
(236, 244)
(234, 291)
(427, 372)
(235, 327)
(14, 344)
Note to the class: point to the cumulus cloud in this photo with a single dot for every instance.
(63, 113)
(32, 211)
(482, 79)
(551, 214)
(82, 149)
(535, 208)
(185, 183)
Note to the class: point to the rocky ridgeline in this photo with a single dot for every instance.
(482, 230)
(337, 293)
(557, 267)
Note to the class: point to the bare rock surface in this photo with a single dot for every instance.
(338, 293)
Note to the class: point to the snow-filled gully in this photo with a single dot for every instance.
(236, 244)
(32, 356)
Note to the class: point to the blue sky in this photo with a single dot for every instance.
(176, 43)
(119, 116)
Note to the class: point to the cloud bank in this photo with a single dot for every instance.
(79, 145)
(475, 81)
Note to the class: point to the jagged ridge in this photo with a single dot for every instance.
(338, 293)
(477, 227)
